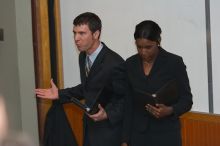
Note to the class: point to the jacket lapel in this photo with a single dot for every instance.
(98, 63)
(160, 60)
(82, 57)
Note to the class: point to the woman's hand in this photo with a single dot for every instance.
(159, 110)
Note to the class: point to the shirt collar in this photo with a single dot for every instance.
(93, 56)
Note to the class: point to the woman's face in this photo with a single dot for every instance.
(147, 49)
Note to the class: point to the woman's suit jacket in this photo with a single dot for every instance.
(103, 74)
(140, 127)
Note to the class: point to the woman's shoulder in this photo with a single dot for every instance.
(170, 55)
(172, 59)
(132, 58)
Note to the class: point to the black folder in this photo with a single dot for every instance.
(167, 94)
(90, 109)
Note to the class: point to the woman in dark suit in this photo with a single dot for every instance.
(145, 123)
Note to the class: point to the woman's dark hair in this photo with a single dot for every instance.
(148, 30)
(90, 19)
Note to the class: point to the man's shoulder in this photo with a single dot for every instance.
(111, 55)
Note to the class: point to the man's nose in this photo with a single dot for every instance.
(76, 37)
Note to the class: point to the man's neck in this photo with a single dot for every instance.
(93, 48)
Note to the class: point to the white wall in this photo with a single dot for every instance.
(183, 33)
(17, 66)
(8, 63)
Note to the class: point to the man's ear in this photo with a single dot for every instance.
(159, 40)
(96, 34)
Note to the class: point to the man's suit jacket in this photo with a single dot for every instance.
(57, 130)
(104, 73)
(144, 127)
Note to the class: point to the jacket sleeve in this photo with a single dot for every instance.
(185, 102)
(74, 92)
(128, 117)
(115, 107)
(120, 109)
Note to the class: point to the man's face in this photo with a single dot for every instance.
(84, 38)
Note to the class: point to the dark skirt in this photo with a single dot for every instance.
(156, 138)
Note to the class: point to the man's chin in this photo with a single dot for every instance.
(81, 49)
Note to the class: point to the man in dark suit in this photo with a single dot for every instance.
(99, 72)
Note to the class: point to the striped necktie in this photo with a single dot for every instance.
(88, 65)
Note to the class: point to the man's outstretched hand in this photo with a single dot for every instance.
(50, 93)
